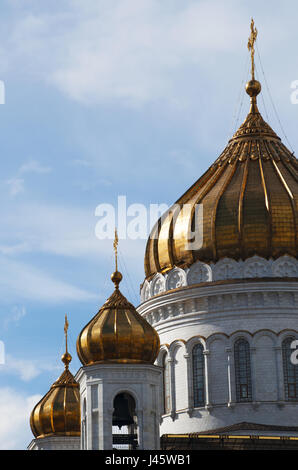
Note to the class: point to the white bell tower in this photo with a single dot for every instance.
(120, 406)
(120, 387)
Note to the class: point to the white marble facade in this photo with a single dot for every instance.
(55, 443)
(100, 384)
(255, 300)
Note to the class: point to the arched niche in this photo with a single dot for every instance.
(124, 422)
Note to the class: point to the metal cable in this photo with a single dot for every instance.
(272, 102)
(235, 118)
(262, 97)
(127, 276)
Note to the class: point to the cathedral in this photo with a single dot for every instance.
(206, 358)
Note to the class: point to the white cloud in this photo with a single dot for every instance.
(133, 51)
(25, 369)
(17, 313)
(15, 409)
(15, 186)
(14, 249)
(33, 166)
(67, 231)
(23, 281)
(128, 52)
(53, 230)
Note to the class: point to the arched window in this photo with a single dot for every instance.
(290, 371)
(166, 385)
(125, 422)
(242, 370)
(198, 368)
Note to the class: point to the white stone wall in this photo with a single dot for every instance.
(223, 306)
(55, 443)
(265, 374)
(101, 383)
(180, 378)
(264, 312)
(218, 376)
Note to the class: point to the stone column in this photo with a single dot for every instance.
(172, 387)
(253, 374)
(189, 383)
(206, 354)
(279, 374)
(88, 418)
(140, 428)
(231, 382)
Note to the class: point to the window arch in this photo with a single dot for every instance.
(242, 370)
(124, 422)
(198, 371)
(166, 385)
(290, 371)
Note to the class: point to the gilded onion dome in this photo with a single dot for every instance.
(58, 412)
(117, 333)
(249, 198)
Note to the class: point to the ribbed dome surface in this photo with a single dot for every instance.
(58, 412)
(118, 334)
(250, 205)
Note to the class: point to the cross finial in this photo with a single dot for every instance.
(115, 244)
(66, 324)
(116, 276)
(251, 46)
(66, 358)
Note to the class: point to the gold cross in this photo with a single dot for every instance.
(115, 244)
(66, 324)
(251, 46)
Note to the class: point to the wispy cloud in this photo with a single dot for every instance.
(130, 51)
(15, 409)
(25, 369)
(23, 281)
(16, 314)
(34, 228)
(60, 230)
(15, 186)
(33, 166)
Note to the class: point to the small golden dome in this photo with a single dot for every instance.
(118, 333)
(249, 198)
(58, 412)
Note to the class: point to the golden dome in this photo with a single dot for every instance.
(250, 203)
(58, 412)
(117, 333)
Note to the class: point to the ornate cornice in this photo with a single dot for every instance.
(224, 270)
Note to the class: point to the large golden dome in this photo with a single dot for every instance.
(117, 334)
(250, 203)
(58, 412)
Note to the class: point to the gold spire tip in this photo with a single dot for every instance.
(116, 276)
(251, 46)
(66, 358)
(253, 87)
(115, 245)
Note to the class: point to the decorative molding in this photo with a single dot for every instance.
(224, 269)
(222, 301)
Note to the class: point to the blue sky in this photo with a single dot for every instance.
(107, 98)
